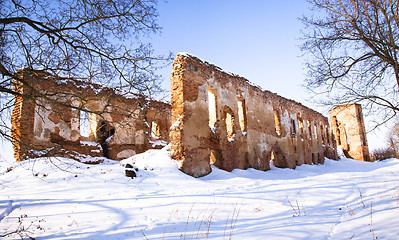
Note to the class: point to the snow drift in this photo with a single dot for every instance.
(58, 198)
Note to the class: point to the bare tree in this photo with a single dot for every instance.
(353, 47)
(393, 140)
(93, 41)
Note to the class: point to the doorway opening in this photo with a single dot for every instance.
(105, 134)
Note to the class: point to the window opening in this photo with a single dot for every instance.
(328, 135)
(277, 122)
(212, 109)
(322, 134)
(301, 133)
(229, 121)
(309, 129)
(106, 133)
(84, 124)
(155, 130)
(242, 115)
(293, 128)
(338, 131)
(213, 158)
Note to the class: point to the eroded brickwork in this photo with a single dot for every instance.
(221, 119)
(118, 127)
(22, 123)
(348, 127)
(215, 118)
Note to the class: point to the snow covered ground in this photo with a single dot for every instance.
(62, 199)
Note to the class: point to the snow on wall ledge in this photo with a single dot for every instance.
(220, 118)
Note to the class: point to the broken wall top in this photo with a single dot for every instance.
(209, 70)
(40, 83)
(222, 118)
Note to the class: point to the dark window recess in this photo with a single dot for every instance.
(293, 128)
(309, 129)
(106, 132)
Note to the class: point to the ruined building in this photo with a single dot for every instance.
(214, 118)
(115, 126)
(222, 119)
(349, 131)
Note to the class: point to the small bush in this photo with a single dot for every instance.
(382, 154)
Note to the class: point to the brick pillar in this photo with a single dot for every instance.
(22, 121)
(349, 131)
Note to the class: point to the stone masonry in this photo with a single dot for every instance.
(221, 119)
(215, 118)
(118, 127)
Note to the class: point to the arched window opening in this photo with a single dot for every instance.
(322, 135)
(242, 115)
(301, 133)
(213, 158)
(105, 134)
(293, 128)
(229, 121)
(336, 126)
(309, 129)
(155, 130)
(277, 122)
(328, 135)
(212, 108)
(84, 124)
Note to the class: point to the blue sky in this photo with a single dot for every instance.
(256, 39)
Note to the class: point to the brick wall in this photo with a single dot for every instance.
(221, 119)
(22, 122)
(349, 131)
(46, 121)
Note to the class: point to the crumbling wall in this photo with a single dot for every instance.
(22, 122)
(44, 123)
(220, 118)
(348, 127)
